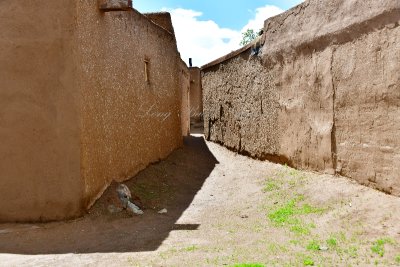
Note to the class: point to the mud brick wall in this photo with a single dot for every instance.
(185, 105)
(196, 95)
(323, 94)
(39, 111)
(87, 96)
(130, 118)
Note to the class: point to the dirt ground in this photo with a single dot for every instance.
(223, 210)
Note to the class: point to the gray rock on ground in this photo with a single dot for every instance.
(125, 196)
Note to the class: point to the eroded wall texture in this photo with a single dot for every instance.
(323, 93)
(196, 95)
(162, 19)
(87, 97)
(185, 105)
(127, 122)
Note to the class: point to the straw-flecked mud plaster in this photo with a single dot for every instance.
(86, 97)
(323, 94)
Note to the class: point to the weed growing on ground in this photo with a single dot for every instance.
(270, 186)
(332, 242)
(283, 215)
(300, 228)
(191, 248)
(288, 209)
(288, 214)
(352, 251)
(378, 247)
(313, 246)
(308, 261)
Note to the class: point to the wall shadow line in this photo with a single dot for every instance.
(171, 183)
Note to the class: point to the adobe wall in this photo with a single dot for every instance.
(323, 95)
(196, 95)
(39, 112)
(185, 105)
(162, 19)
(127, 122)
(87, 97)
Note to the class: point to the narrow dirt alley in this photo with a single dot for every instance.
(223, 210)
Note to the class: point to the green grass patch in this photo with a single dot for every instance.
(378, 247)
(270, 186)
(300, 229)
(307, 209)
(332, 242)
(352, 251)
(313, 245)
(308, 261)
(397, 259)
(287, 215)
(282, 215)
(191, 248)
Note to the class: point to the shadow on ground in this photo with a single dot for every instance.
(170, 184)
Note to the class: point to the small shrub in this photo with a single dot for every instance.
(308, 261)
(378, 246)
(247, 37)
(313, 245)
(332, 242)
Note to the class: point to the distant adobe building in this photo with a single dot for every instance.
(196, 95)
(90, 92)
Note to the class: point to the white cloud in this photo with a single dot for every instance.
(205, 41)
(262, 13)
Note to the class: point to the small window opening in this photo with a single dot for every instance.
(146, 70)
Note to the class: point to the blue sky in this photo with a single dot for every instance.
(226, 13)
(206, 30)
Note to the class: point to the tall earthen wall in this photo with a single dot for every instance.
(39, 111)
(185, 105)
(196, 95)
(86, 97)
(129, 117)
(323, 94)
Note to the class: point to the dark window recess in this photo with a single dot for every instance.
(146, 70)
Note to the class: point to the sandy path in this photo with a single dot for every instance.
(221, 209)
